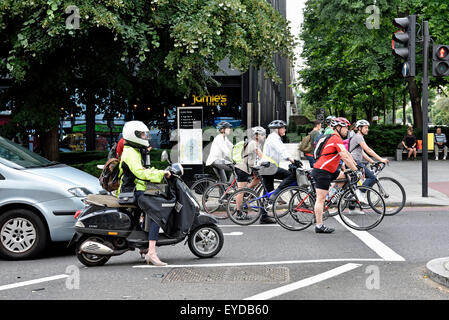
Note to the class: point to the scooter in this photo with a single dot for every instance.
(106, 228)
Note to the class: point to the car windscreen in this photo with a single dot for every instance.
(20, 156)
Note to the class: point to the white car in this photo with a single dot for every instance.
(38, 200)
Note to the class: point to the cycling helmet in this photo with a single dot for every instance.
(137, 133)
(329, 119)
(361, 123)
(340, 121)
(259, 131)
(276, 124)
(223, 125)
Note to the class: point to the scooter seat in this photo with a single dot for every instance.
(109, 201)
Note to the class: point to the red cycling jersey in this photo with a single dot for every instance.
(330, 158)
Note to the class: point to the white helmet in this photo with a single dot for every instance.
(361, 123)
(259, 131)
(137, 132)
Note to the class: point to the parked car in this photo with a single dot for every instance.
(38, 200)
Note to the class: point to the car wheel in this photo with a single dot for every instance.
(22, 234)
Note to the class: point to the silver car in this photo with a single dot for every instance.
(38, 200)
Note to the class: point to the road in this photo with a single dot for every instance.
(263, 262)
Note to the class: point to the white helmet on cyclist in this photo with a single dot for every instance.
(258, 131)
(361, 123)
(137, 133)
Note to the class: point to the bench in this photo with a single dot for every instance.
(401, 151)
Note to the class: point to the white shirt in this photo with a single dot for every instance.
(221, 148)
(275, 149)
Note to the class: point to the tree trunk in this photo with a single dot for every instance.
(384, 107)
(90, 123)
(404, 105)
(394, 108)
(415, 99)
(50, 144)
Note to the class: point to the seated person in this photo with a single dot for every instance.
(440, 143)
(409, 143)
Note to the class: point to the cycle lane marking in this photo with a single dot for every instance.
(304, 283)
(31, 282)
(373, 243)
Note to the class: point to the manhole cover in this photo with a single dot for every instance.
(229, 274)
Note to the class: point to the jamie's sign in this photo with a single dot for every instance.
(212, 100)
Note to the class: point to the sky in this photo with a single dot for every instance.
(294, 15)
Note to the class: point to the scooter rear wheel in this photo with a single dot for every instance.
(91, 260)
(206, 241)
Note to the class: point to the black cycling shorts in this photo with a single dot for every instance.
(242, 176)
(323, 178)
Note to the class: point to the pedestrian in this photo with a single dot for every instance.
(313, 134)
(409, 143)
(440, 142)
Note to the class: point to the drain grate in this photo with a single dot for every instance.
(229, 274)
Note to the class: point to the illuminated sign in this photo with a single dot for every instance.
(213, 100)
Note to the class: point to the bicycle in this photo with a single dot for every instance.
(252, 202)
(299, 214)
(391, 190)
(202, 182)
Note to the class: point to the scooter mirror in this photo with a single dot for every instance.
(164, 156)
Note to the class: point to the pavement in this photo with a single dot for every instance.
(410, 174)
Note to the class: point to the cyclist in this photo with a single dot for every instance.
(329, 129)
(360, 150)
(251, 154)
(220, 150)
(326, 168)
(274, 151)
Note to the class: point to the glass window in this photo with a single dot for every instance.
(15, 155)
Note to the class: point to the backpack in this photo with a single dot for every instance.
(306, 145)
(237, 151)
(320, 146)
(109, 177)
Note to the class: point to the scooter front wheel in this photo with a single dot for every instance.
(206, 241)
(88, 259)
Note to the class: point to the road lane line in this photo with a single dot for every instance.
(373, 243)
(239, 264)
(304, 283)
(31, 282)
(233, 234)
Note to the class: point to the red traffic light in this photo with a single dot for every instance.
(442, 53)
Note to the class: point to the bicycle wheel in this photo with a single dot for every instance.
(199, 187)
(298, 212)
(250, 208)
(393, 193)
(215, 199)
(361, 208)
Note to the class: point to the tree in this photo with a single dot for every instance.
(122, 48)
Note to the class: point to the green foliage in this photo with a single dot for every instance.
(292, 127)
(440, 111)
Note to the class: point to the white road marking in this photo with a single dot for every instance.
(31, 282)
(233, 234)
(304, 283)
(373, 243)
(264, 263)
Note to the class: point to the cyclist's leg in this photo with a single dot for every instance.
(219, 170)
(323, 180)
(370, 178)
(287, 178)
(242, 182)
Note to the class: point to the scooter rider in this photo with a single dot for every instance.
(133, 172)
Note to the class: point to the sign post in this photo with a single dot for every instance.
(190, 140)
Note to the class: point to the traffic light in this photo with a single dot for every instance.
(440, 60)
(407, 37)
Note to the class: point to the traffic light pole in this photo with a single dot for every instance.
(425, 98)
